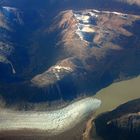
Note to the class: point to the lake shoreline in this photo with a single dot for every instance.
(115, 95)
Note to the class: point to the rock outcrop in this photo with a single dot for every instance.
(93, 44)
(60, 53)
(121, 123)
(10, 18)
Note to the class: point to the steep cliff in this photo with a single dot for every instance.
(121, 123)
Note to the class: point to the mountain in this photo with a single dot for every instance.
(10, 18)
(60, 50)
(121, 123)
(54, 52)
(90, 40)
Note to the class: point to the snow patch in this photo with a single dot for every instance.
(87, 20)
(82, 18)
(9, 9)
(93, 14)
(59, 68)
(88, 29)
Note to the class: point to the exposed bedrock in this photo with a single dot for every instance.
(121, 123)
(69, 55)
(97, 48)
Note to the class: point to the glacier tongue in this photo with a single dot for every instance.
(53, 122)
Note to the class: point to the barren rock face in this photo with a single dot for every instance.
(9, 19)
(121, 123)
(62, 51)
(91, 42)
(130, 123)
(54, 51)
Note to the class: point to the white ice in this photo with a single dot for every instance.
(58, 67)
(53, 122)
(9, 9)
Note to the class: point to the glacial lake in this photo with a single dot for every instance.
(118, 93)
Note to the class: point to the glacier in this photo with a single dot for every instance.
(50, 122)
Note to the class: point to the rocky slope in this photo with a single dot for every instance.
(10, 18)
(121, 123)
(54, 50)
(59, 51)
(90, 40)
